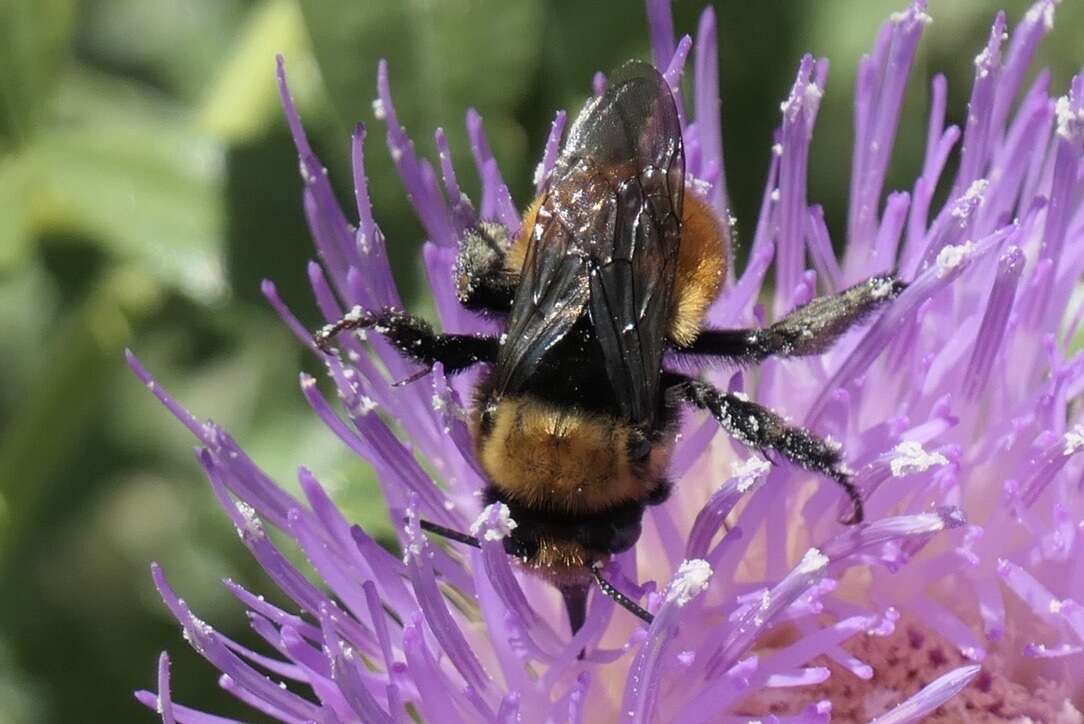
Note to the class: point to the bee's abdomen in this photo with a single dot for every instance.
(560, 458)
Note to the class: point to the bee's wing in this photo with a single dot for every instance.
(606, 239)
(632, 281)
(551, 296)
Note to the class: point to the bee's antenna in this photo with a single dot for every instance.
(449, 533)
(621, 599)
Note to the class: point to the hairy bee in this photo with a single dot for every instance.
(614, 267)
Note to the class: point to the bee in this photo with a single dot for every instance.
(612, 271)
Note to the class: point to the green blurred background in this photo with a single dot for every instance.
(147, 185)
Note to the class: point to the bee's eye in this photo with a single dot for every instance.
(639, 447)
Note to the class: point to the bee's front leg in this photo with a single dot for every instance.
(414, 338)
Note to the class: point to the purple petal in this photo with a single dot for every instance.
(932, 696)
(421, 188)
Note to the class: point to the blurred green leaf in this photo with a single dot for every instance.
(28, 300)
(65, 400)
(133, 176)
(34, 45)
(453, 52)
(174, 46)
(243, 98)
(14, 197)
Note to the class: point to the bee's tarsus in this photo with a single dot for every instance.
(621, 599)
(412, 378)
(858, 511)
(450, 534)
(356, 318)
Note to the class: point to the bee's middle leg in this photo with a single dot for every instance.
(808, 330)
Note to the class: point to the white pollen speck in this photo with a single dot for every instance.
(438, 403)
(307, 177)
(953, 256)
(1070, 123)
(415, 540)
(813, 561)
(777, 149)
(1055, 606)
(750, 471)
(701, 187)
(984, 61)
(378, 109)
(491, 529)
(1074, 439)
(775, 195)
(881, 288)
(366, 405)
(252, 525)
(911, 13)
(910, 457)
(539, 170)
(691, 579)
(971, 200)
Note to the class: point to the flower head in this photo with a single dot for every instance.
(956, 409)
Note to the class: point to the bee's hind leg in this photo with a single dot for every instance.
(414, 338)
(759, 427)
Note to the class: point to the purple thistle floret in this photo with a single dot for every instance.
(956, 407)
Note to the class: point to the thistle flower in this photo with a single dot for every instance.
(956, 408)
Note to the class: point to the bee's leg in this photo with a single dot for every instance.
(482, 280)
(414, 338)
(621, 599)
(449, 534)
(575, 598)
(759, 427)
(808, 330)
